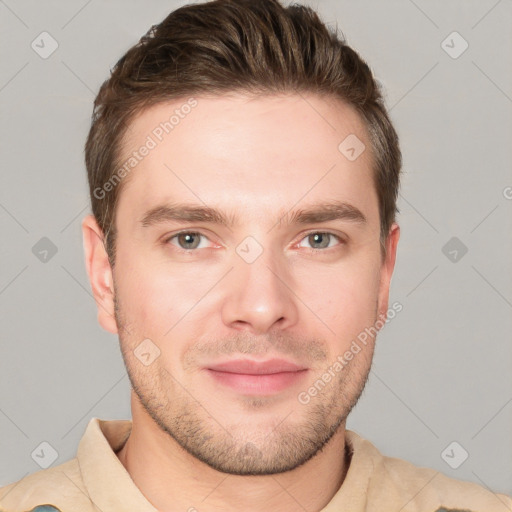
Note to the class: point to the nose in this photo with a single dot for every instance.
(259, 296)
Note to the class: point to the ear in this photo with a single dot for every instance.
(388, 264)
(99, 272)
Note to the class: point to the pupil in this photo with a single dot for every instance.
(189, 240)
(319, 238)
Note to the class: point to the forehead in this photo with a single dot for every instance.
(248, 154)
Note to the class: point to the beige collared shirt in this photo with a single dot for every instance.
(96, 480)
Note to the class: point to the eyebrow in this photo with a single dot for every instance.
(334, 210)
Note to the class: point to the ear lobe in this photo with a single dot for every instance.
(99, 272)
(387, 267)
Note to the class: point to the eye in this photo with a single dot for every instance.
(187, 240)
(321, 240)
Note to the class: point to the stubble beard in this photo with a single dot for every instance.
(294, 437)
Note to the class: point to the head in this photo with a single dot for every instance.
(243, 174)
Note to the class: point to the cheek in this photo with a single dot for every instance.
(345, 298)
(161, 305)
(147, 297)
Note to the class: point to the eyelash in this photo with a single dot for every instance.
(310, 249)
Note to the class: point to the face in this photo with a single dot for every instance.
(248, 261)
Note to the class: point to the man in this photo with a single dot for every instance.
(243, 175)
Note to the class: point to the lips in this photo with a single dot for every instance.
(249, 377)
(248, 367)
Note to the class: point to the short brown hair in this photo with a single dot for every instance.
(222, 46)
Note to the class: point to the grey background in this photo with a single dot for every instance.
(442, 369)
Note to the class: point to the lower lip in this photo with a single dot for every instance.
(258, 384)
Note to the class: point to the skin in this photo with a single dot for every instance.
(196, 442)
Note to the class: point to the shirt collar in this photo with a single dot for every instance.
(110, 486)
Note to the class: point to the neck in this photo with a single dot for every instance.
(173, 480)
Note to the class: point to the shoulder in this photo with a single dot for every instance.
(47, 490)
(414, 488)
(428, 487)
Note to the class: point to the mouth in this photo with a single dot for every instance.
(251, 377)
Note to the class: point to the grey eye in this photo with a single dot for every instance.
(189, 240)
(318, 240)
(322, 239)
